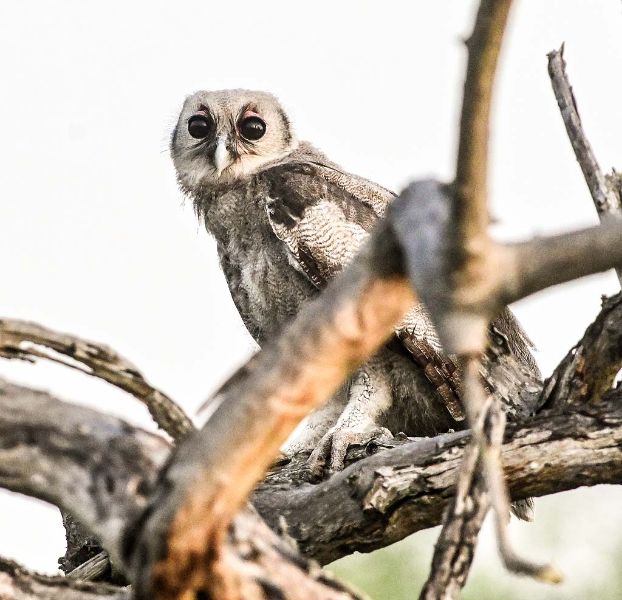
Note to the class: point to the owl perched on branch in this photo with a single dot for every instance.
(286, 220)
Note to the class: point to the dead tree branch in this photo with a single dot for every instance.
(101, 470)
(89, 464)
(17, 583)
(28, 341)
(382, 498)
(470, 207)
(215, 470)
(374, 502)
(455, 548)
(605, 199)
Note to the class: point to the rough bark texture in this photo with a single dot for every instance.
(16, 583)
(377, 500)
(381, 499)
(93, 466)
(29, 341)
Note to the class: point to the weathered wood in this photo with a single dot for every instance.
(606, 201)
(17, 583)
(383, 498)
(94, 466)
(29, 341)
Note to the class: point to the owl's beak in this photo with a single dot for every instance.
(222, 156)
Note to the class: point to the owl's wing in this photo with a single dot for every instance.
(321, 223)
(323, 216)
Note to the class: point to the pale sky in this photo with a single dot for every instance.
(95, 238)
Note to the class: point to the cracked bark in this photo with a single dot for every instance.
(17, 583)
(28, 341)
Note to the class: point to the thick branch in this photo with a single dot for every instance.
(331, 519)
(383, 498)
(543, 262)
(28, 341)
(91, 465)
(101, 469)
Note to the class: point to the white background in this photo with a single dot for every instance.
(95, 238)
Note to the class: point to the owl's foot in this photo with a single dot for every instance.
(330, 453)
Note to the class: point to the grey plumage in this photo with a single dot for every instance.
(286, 220)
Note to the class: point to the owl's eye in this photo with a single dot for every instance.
(252, 128)
(200, 126)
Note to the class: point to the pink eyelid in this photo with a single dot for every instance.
(250, 113)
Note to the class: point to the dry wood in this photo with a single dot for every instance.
(605, 199)
(29, 341)
(383, 498)
(17, 583)
(470, 206)
(254, 415)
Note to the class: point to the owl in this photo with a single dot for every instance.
(286, 220)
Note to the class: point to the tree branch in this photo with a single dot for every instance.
(588, 371)
(214, 471)
(543, 262)
(383, 498)
(605, 200)
(94, 466)
(470, 207)
(28, 341)
(17, 583)
(374, 502)
(455, 548)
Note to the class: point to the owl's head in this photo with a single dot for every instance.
(226, 135)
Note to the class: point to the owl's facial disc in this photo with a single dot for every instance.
(228, 135)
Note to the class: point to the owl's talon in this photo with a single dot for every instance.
(329, 456)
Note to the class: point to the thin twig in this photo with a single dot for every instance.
(605, 199)
(455, 547)
(470, 206)
(490, 452)
(28, 341)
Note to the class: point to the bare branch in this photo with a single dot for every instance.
(94, 466)
(455, 547)
(470, 210)
(378, 500)
(27, 341)
(543, 262)
(588, 371)
(605, 199)
(383, 498)
(17, 583)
